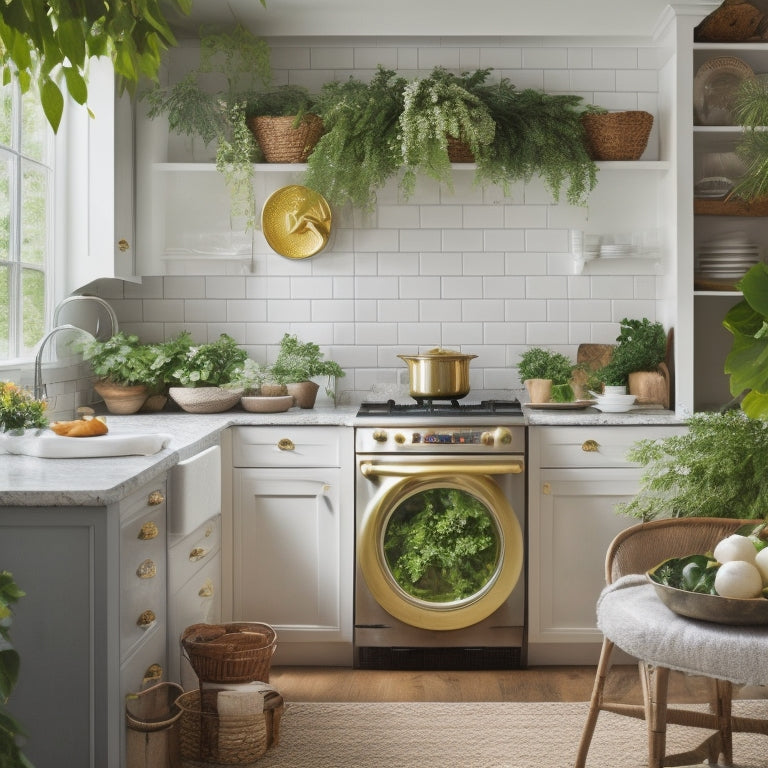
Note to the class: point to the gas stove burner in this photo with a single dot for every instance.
(426, 407)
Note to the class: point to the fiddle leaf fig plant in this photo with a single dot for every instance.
(47, 45)
(747, 362)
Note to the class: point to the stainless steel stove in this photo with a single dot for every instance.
(420, 465)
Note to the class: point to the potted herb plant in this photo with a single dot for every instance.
(261, 393)
(360, 148)
(19, 410)
(641, 347)
(203, 376)
(284, 124)
(546, 375)
(297, 364)
(123, 366)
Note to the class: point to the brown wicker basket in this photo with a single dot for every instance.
(212, 736)
(230, 653)
(280, 142)
(617, 135)
(459, 151)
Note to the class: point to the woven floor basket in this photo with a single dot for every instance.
(280, 142)
(212, 738)
(230, 653)
(459, 151)
(617, 135)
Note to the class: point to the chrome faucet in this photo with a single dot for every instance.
(40, 391)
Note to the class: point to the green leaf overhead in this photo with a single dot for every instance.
(47, 44)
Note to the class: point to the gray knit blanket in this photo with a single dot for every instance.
(630, 613)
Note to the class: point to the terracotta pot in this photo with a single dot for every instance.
(651, 386)
(120, 398)
(304, 393)
(539, 390)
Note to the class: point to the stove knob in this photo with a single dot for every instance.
(380, 435)
(399, 438)
(503, 436)
(486, 438)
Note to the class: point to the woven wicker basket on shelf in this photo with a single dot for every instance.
(280, 142)
(617, 135)
(459, 151)
(212, 735)
(230, 653)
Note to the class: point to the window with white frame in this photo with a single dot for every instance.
(26, 222)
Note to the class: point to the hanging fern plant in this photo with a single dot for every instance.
(435, 108)
(360, 148)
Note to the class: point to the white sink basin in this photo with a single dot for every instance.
(195, 486)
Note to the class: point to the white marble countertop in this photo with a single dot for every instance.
(31, 481)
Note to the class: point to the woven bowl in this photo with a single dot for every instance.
(617, 135)
(205, 399)
(257, 404)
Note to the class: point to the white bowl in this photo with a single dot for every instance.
(616, 399)
(613, 407)
(257, 404)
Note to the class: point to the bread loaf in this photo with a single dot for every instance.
(80, 428)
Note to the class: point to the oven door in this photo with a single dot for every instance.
(439, 545)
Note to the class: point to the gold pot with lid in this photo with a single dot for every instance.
(439, 373)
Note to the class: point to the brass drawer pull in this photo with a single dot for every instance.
(148, 531)
(198, 553)
(147, 570)
(123, 245)
(155, 498)
(286, 444)
(590, 446)
(153, 672)
(207, 589)
(145, 619)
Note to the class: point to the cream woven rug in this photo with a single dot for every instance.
(479, 735)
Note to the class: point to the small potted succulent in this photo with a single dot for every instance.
(19, 410)
(546, 375)
(297, 364)
(202, 380)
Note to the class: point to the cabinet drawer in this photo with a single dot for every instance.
(146, 666)
(286, 447)
(592, 446)
(190, 554)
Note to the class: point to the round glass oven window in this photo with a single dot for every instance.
(442, 545)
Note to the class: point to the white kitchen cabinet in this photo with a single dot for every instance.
(292, 533)
(92, 626)
(100, 185)
(577, 475)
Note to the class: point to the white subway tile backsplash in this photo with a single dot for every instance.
(461, 265)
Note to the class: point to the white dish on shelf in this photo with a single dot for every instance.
(714, 87)
(614, 407)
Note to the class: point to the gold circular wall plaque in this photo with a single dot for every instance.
(296, 222)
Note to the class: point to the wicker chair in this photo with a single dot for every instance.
(633, 551)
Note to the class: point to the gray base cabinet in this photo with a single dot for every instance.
(92, 626)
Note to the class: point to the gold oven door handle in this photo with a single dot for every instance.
(373, 469)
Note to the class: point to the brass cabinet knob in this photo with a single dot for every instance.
(198, 553)
(148, 531)
(207, 589)
(155, 498)
(590, 446)
(147, 570)
(153, 672)
(286, 444)
(123, 245)
(146, 618)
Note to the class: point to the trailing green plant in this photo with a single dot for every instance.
(301, 361)
(11, 732)
(747, 361)
(751, 111)
(214, 364)
(716, 469)
(641, 346)
(361, 148)
(536, 134)
(47, 45)
(19, 409)
(541, 363)
(434, 108)
(121, 359)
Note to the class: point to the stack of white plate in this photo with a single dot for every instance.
(616, 251)
(614, 403)
(726, 258)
